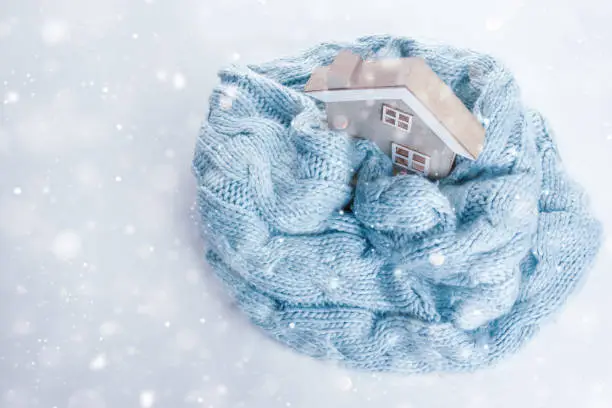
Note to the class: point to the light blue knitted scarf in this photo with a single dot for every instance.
(418, 276)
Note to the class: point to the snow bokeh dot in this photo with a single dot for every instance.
(67, 245)
(54, 32)
(98, 363)
(147, 399)
(179, 81)
(226, 102)
(437, 259)
(11, 97)
(129, 229)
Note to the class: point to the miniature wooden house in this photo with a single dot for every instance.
(402, 106)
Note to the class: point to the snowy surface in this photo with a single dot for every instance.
(105, 298)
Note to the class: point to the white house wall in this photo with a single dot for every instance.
(363, 119)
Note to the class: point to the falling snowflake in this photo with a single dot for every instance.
(226, 102)
(231, 91)
(465, 352)
(66, 245)
(179, 81)
(17, 191)
(98, 363)
(54, 32)
(147, 399)
(11, 97)
(393, 339)
(437, 259)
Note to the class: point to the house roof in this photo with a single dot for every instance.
(350, 78)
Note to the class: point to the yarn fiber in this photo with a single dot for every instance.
(395, 273)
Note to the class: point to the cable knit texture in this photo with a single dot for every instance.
(417, 276)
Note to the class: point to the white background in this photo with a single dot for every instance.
(105, 299)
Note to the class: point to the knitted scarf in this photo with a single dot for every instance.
(414, 275)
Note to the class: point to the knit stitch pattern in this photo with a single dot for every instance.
(416, 276)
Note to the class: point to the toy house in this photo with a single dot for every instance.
(402, 106)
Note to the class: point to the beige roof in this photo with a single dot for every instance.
(350, 72)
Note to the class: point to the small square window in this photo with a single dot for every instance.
(419, 158)
(396, 118)
(404, 157)
(401, 160)
(402, 125)
(401, 151)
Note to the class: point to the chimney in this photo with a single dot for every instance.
(343, 70)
